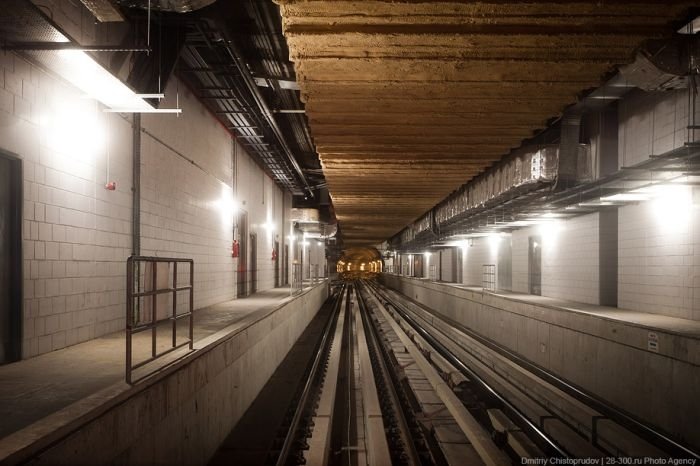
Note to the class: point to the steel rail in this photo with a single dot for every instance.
(649, 434)
(309, 385)
(544, 440)
(374, 345)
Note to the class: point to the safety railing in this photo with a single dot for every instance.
(488, 277)
(297, 283)
(153, 284)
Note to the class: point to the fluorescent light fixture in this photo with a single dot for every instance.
(138, 110)
(626, 197)
(595, 203)
(151, 96)
(81, 70)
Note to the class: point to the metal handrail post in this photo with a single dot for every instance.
(129, 315)
(191, 304)
(154, 309)
(174, 316)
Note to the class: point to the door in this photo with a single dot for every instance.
(253, 263)
(10, 259)
(535, 265)
(242, 275)
(418, 265)
(504, 265)
(277, 264)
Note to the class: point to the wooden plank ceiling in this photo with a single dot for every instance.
(408, 100)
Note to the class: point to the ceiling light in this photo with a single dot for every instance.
(626, 197)
(81, 70)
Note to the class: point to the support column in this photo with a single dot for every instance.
(136, 186)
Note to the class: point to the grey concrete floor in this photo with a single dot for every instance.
(36, 387)
(676, 325)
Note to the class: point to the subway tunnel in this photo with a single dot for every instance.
(349, 232)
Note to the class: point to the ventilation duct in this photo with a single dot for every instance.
(665, 64)
(304, 215)
(570, 133)
(175, 6)
(103, 10)
(520, 174)
(531, 168)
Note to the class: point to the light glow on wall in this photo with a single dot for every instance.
(227, 206)
(672, 207)
(75, 129)
(549, 231)
(494, 240)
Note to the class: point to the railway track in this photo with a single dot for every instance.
(522, 400)
(393, 383)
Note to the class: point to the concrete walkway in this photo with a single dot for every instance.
(34, 388)
(673, 325)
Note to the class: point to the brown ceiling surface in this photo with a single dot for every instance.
(408, 100)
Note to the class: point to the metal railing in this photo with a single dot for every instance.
(297, 283)
(145, 288)
(488, 277)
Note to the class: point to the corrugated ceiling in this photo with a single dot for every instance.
(408, 100)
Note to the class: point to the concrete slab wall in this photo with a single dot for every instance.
(659, 240)
(659, 254)
(603, 356)
(652, 123)
(570, 259)
(182, 414)
(482, 251)
(77, 234)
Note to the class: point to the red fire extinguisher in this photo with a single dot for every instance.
(274, 254)
(234, 248)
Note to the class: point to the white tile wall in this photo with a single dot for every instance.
(570, 259)
(652, 123)
(520, 244)
(658, 240)
(77, 235)
(659, 255)
(482, 251)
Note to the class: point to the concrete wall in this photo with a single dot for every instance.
(183, 413)
(652, 123)
(482, 251)
(603, 356)
(658, 240)
(315, 258)
(569, 258)
(659, 255)
(77, 234)
(643, 256)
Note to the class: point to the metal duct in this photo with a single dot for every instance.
(664, 64)
(570, 134)
(522, 173)
(103, 10)
(175, 6)
(525, 169)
